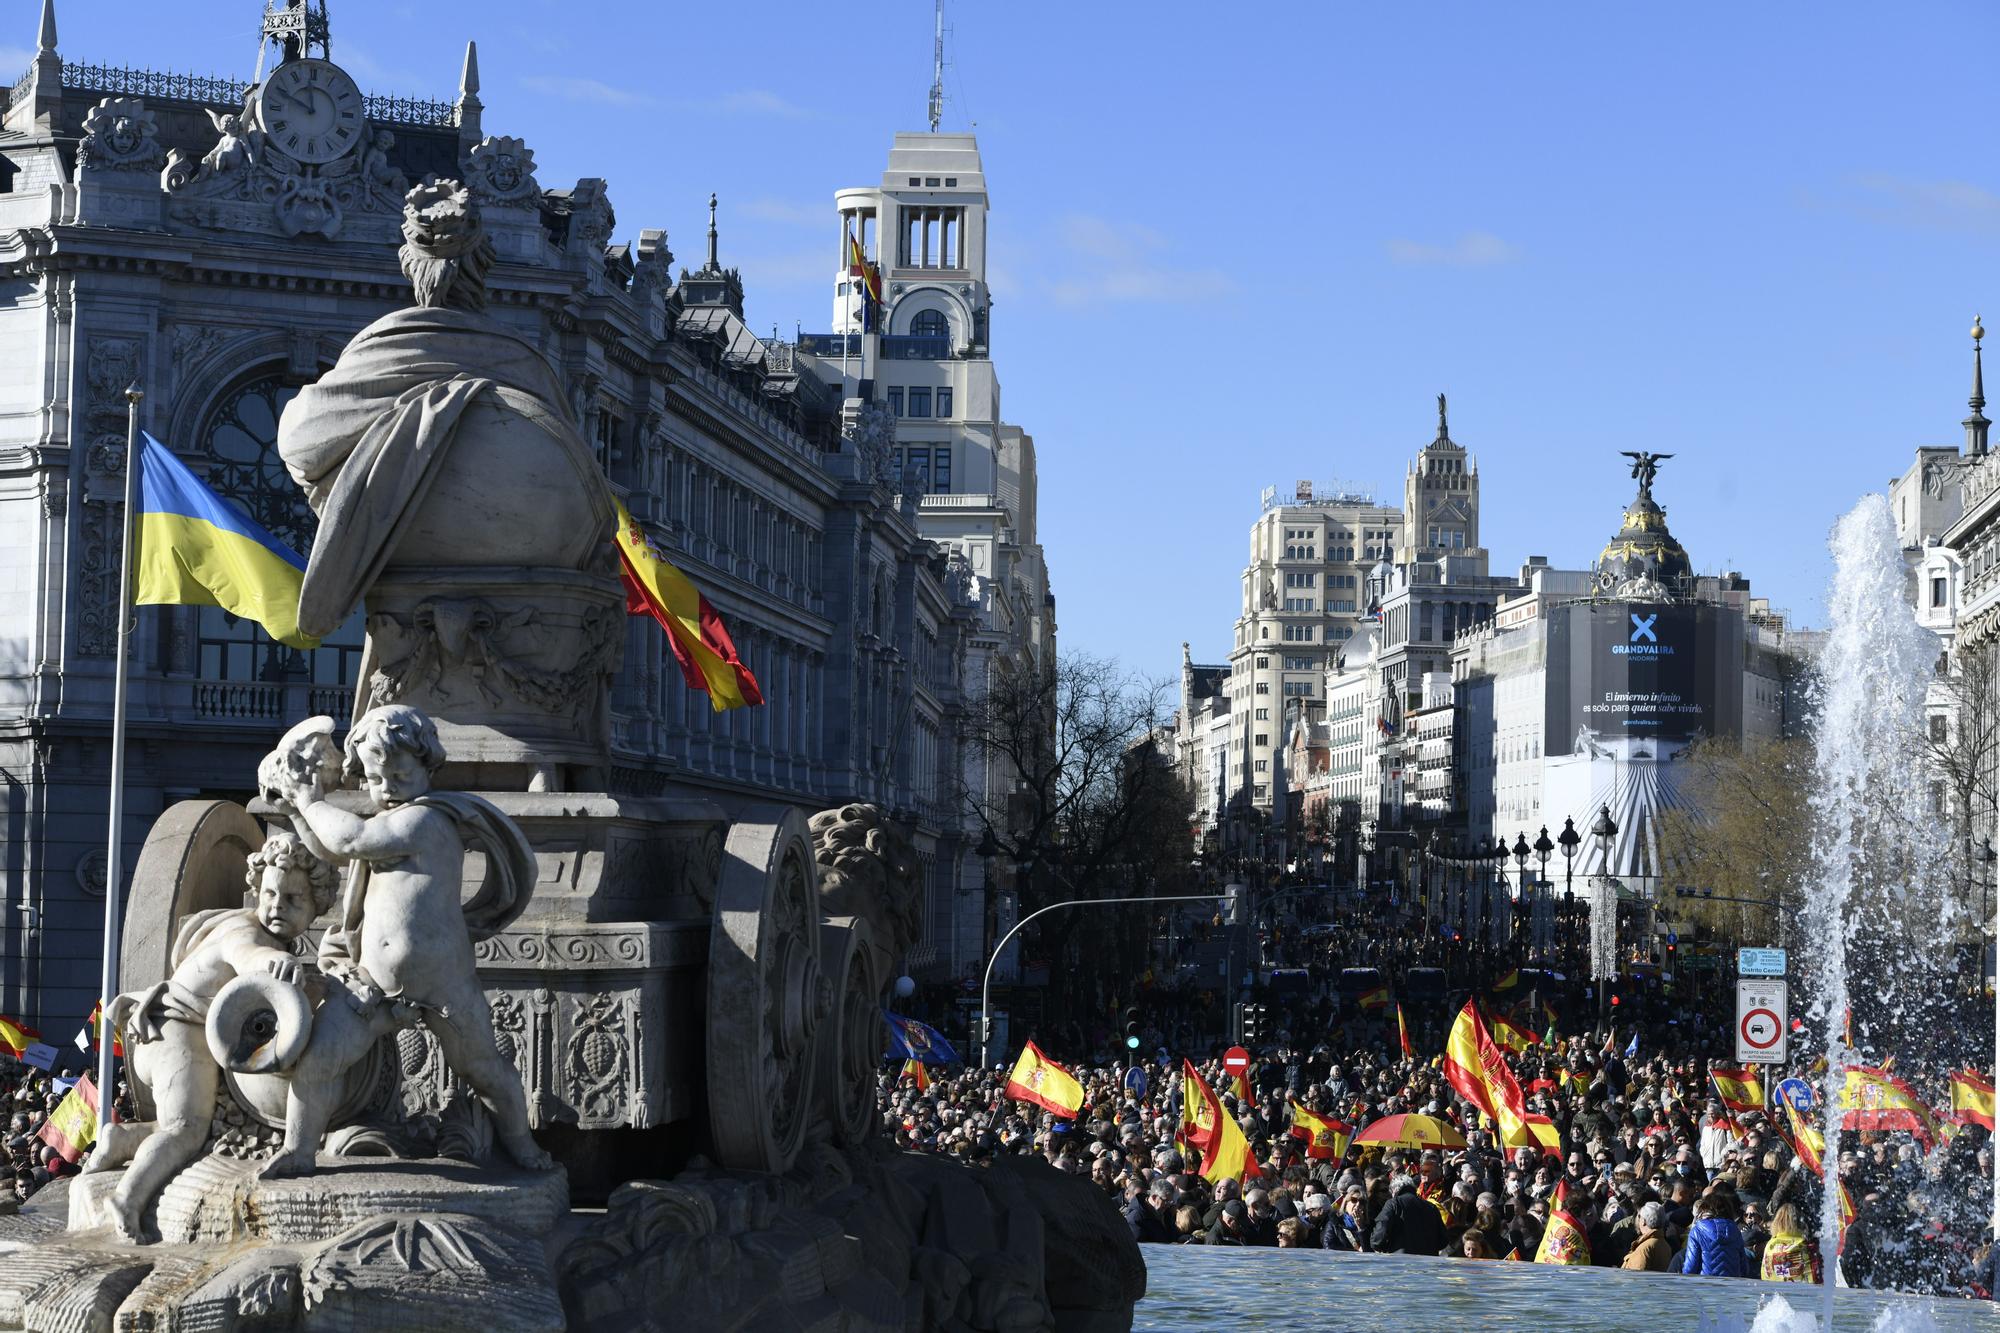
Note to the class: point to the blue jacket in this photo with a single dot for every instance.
(1715, 1249)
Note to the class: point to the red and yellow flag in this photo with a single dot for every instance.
(856, 261)
(1239, 1086)
(1475, 1066)
(1403, 1035)
(16, 1037)
(92, 1034)
(914, 1071)
(1740, 1089)
(1374, 999)
(1226, 1155)
(701, 644)
(1564, 1240)
(72, 1127)
(1539, 1132)
(1508, 982)
(1326, 1139)
(1040, 1080)
(1972, 1099)
(1512, 1037)
(1197, 1118)
(1876, 1099)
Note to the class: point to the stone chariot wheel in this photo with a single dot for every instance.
(765, 992)
(850, 1050)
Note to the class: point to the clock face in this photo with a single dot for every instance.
(311, 110)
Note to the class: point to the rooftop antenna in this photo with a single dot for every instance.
(937, 71)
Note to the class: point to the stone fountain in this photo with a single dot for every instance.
(458, 955)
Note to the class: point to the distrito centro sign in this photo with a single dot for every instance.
(1235, 1059)
(1763, 1021)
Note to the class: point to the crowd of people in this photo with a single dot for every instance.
(27, 1098)
(1653, 1169)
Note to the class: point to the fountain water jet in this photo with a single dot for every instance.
(1875, 860)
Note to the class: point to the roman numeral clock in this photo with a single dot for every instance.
(311, 110)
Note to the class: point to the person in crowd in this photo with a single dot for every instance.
(1714, 1242)
(1789, 1255)
(1650, 1251)
(1408, 1224)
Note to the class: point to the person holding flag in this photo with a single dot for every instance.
(1040, 1080)
(1403, 1034)
(1476, 1068)
(1565, 1240)
(1972, 1099)
(913, 1070)
(1225, 1153)
(1326, 1138)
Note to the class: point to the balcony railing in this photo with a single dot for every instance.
(213, 89)
(829, 344)
(911, 347)
(270, 701)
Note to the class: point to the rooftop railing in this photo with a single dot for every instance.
(221, 90)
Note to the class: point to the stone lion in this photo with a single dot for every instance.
(867, 869)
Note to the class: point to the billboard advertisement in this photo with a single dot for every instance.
(1643, 670)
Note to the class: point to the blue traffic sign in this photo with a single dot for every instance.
(1760, 962)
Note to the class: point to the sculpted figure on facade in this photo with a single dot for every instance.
(121, 134)
(501, 170)
(400, 950)
(165, 1027)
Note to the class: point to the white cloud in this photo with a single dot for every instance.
(1474, 249)
(1935, 205)
(757, 102)
(575, 89)
(1113, 262)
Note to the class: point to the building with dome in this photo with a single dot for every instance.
(1585, 689)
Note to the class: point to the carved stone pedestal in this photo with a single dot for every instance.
(363, 1244)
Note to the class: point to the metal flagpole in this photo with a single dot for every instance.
(114, 870)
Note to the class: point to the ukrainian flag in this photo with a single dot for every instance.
(192, 549)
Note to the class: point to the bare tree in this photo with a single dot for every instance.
(1076, 792)
(1744, 831)
(1960, 745)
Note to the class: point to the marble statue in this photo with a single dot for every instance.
(164, 1027)
(402, 945)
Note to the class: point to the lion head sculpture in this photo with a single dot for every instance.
(867, 869)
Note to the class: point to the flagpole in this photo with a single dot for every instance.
(114, 870)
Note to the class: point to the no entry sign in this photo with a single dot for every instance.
(1235, 1059)
(1763, 1022)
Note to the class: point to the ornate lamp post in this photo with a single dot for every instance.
(1568, 839)
(1604, 915)
(1544, 901)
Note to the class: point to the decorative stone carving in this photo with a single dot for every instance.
(111, 363)
(91, 872)
(193, 344)
(245, 182)
(871, 427)
(501, 170)
(457, 497)
(120, 134)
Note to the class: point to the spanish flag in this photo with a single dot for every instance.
(72, 1126)
(1740, 1089)
(16, 1037)
(1538, 1132)
(1403, 1035)
(1475, 1066)
(654, 587)
(192, 549)
(857, 263)
(1226, 1155)
(914, 1071)
(1875, 1099)
(1239, 1086)
(1972, 1099)
(1508, 982)
(1197, 1118)
(1810, 1145)
(92, 1033)
(1564, 1240)
(1040, 1080)
(1326, 1139)
(1375, 999)
(1512, 1036)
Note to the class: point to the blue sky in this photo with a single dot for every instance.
(1233, 252)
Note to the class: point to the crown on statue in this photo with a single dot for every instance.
(440, 219)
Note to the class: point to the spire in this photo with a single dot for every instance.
(471, 110)
(468, 79)
(47, 40)
(714, 262)
(1976, 424)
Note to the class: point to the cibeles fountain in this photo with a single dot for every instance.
(438, 1034)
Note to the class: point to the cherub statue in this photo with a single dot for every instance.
(403, 942)
(231, 151)
(164, 1025)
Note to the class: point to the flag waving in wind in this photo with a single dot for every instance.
(192, 549)
(654, 587)
(1040, 1080)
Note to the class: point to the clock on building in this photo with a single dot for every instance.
(311, 110)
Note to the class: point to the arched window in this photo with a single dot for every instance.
(930, 324)
(240, 439)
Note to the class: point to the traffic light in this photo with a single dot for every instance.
(986, 1032)
(1253, 1024)
(1132, 1028)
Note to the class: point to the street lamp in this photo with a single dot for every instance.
(1544, 905)
(1603, 915)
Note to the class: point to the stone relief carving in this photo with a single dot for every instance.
(192, 344)
(245, 182)
(597, 1058)
(120, 134)
(868, 869)
(501, 170)
(471, 648)
(872, 429)
(110, 365)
